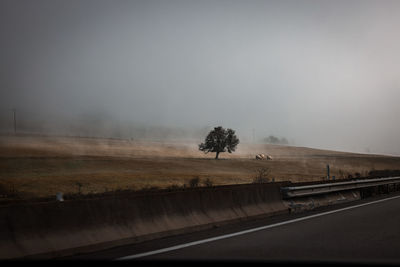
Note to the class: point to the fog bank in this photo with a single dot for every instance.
(322, 74)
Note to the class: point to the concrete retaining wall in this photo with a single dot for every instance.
(53, 229)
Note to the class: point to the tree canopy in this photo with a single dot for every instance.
(219, 140)
(275, 140)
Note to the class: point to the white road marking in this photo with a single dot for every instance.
(140, 255)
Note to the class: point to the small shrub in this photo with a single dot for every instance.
(261, 176)
(208, 182)
(194, 182)
(79, 187)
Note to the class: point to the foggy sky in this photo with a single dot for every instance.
(322, 73)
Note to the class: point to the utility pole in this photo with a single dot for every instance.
(15, 120)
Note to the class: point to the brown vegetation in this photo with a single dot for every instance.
(42, 166)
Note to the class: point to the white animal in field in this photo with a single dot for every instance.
(263, 157)
(260, 156)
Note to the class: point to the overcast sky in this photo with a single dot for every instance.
(322, 73)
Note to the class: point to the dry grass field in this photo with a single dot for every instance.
(38, 166)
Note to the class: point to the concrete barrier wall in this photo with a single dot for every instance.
(52, 229)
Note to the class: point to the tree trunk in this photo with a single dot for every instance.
(216, 156)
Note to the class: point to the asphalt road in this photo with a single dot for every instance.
(366, 231)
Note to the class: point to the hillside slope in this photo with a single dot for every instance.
(43, 166)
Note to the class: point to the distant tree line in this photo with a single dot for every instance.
(276, 140)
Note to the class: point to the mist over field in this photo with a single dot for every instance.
(323, 74)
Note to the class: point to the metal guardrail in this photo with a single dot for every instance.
(308, 190)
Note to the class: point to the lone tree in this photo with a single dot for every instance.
(220, 140)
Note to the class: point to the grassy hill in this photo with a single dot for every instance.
(38, 166)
